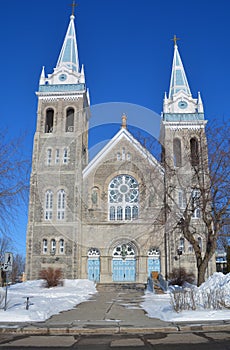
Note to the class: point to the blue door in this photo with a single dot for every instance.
(124, 270)
(94, 270)
(153, 265)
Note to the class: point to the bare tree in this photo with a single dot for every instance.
(206, 192)
(13, 179)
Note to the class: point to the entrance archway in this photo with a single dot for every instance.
(124, 263)
(94, 265)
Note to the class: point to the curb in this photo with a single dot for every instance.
(30, 330)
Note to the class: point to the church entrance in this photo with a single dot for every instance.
(153, 261)
(94, 265)
(124, 264)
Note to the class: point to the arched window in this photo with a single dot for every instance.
(194, 149)
(199, 239)
(177, 152)
(49, 156)
(48, 205)
(69, 120)
(123, 198)
(65, 156)
(49, 120)
(61, 246)
(44, 246)
(57, 156)
(196, 213)
(61, 201)
(53, 246)
(93, 253)
(181, 244)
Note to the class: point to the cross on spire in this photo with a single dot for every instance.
(73, 5)
(175, 39)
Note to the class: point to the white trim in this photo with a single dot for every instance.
(123, 133)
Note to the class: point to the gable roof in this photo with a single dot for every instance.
(122, 133)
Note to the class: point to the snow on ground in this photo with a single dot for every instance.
(159, 306)
(44, 302)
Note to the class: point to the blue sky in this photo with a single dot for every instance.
(126, 48)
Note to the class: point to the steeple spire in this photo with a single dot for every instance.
(69, 54)
(178, 77)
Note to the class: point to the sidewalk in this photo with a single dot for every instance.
(109, 312)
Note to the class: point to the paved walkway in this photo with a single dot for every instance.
(109, 312)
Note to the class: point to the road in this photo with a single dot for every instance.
(156, 341)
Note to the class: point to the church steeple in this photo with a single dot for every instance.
(68, 57)
(180, 102)
(178, 81)
(67, 70)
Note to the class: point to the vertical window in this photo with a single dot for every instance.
(48, 205)
(135, 212)
(44, 246)
(181, 199)
(49, 156)
(112, 213)
(181, 245)
(119, 213)
(123, 153)
(53, 246)
(61, 246)
(128, 213)
(57, 156)
(65, 156)
(61, 198)
(49, 120)
(199, 239)
(177, 152)
(196, 204)
(190, 248)
(194, 149)
(69, 120)
(118, 156)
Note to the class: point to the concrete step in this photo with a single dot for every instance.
(120, 286)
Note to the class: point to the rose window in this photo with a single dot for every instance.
(123, 198)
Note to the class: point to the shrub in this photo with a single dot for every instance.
(179, 276)
(52, 277)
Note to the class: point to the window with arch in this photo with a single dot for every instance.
(61, 246)
(93, 253)
(61, 203)
(44, 246)
(199, 239)
(57, 156)
(49, 120)
(69, 120)
(177, 152)
(194, 150)
(49, 156)
(53, 246)
(123, 198)
(48, 205)
(181, 244)
(196, 213)
(125, 250)
(65, 156)
(154, 252)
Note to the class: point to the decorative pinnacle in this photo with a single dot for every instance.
(73, 5)
(175, 39)
(124, 121)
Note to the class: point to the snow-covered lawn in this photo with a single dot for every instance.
(46, 302)
(159, 306)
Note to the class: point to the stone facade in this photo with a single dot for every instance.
(106, 219)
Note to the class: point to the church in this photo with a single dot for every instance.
(106, 219)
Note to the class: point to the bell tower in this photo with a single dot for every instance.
(60, 153)
(184, 154)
